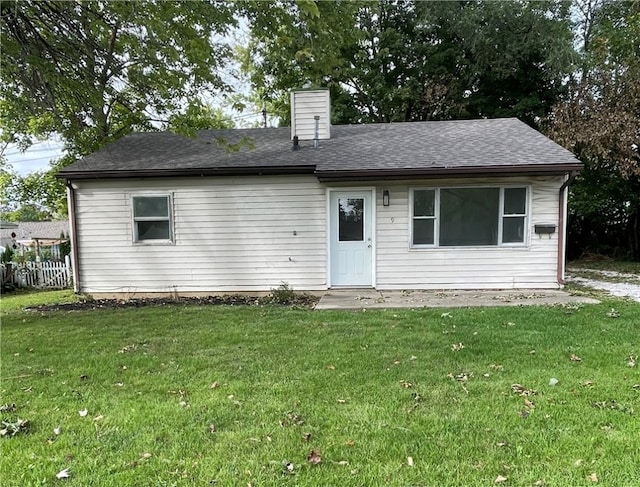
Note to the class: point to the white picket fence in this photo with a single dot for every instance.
(39, 275)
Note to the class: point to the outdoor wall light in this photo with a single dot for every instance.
(385, 197)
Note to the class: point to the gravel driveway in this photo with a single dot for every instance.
(615, 283)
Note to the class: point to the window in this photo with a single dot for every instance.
(152, 219)
(464, 217)
(350, 221)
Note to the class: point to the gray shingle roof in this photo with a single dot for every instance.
(496, 145)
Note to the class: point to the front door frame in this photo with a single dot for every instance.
(374, 196)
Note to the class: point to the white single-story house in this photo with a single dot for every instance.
(466, 204)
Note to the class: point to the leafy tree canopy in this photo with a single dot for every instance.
(392, 60)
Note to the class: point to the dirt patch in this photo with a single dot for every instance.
(299, 300)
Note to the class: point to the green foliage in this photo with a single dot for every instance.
(599, 122)
(402, 61)
(7, 255)
(283, 294)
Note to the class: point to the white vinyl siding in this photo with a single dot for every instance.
(230, 234)
(529, 266)
(305, 105)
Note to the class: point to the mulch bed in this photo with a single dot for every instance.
(300, 300)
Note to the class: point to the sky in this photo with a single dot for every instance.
(36, 158)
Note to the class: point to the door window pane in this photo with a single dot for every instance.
(350, 219)
(469, 216)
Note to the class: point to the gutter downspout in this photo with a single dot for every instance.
(562, 203)
(71, 198)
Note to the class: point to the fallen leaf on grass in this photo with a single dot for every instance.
(500, 478)
(83, 413)
(456, 347)
(99, 417)
(522, 391)
(593, 477)
(63, 474)
(214, 385)
(57, 431)
(587, 383)
(410, 461)
(288, 468)
(343, 463)
(146, 455)
(553, 381)
(528, 403)
(12, 429)
(406, 384)
(306, 436)
(350, 443)
(341, 401)
(331, 367)
(633, 361)
(314, 457)
(575, 358)
(524, 413)
(502, 443)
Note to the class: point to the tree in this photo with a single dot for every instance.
(94, 71)
(392, 60)
(600, 123)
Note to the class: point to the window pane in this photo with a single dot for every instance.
(513, 229)
(424, 202)
(149, 230)
(350, 219)
(469, 216)
(423, 232)
(150, 206)
(515, 200)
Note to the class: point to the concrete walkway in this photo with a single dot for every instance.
(371, 298)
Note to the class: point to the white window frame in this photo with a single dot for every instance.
(169, 218)
(501, 215)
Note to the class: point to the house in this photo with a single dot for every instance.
(469, 204)
(36, 236)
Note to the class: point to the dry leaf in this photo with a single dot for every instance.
(406, 384)
(63, 474)
(528, 403)
(456, 347)
(593, 477)
(83, 413)
(214, 385)
(331, 367)
(100, 417)
(288, 467)
(502, 443)
(146, 455)
(341, 401)
(410, 461)
(524, 413)
(350, 442)
(314, 457)
(57, 431)
(500, 479)
(306, 436)
(343, 463)
(575, 358)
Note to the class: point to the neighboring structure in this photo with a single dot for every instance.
(35, 236)
(422, 205)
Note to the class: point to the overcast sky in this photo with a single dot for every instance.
(36, 158)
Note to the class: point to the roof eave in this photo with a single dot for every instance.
(190, 172)
(453, 172)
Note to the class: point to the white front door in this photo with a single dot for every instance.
(351, 233)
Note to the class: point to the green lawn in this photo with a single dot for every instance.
(215, 395)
